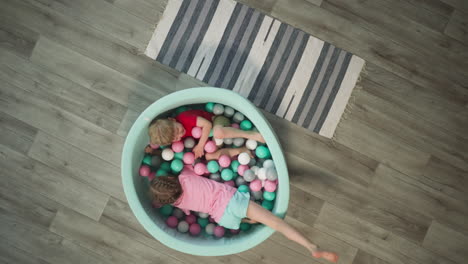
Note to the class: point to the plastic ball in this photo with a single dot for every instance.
(219, 141)
(243, 188)
(219, 231)
(151, 175)
(145, 170)
(228, 141)
(241, 181)
(269, 196)
(166, 166)
(154, 146)
(235, 125)
(267, 205)
(268, 163)
(177, 165)
(210, 146)
(209, 229)
(162, 172)
(211, 219)
(166, 209)
(238, 117)
(245, 226)
(194, 229)
(172, 221)
(258, 195)
(230, 183)
(249, 175)
(215, 177)
(156, 161)
(178, 146)
(199, 168)
(213, 166)
(254, 169)
(227, 174)
(202, 222)
(190, 219)
(262, 152)
(209, 107)
(244, 158)
(261, 174)
(252, 162)
(241, 169)
(246, 125)
(238, 142)
(256, 185)
(167, 154)
(234, 231)
(203, 215)
(235, 165)
(218, 109)
(181, 109)
(251, 144)
(183, 227)
(178, 213)
(189, 158)
(271, 174)
(179, 155)
(270, 186)
(147, 160)
(189, 142)
(196, 132)
(228, 111)
(224, 161)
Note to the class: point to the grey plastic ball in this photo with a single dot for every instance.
(183, 227)
(218, 109)
(249, 175)
(210, 228)
(228, 111)
(203, 215)
(268, 164)
(238, 117)
(252, 162)
(228, 141)
(257, 195)
(156, 161)
(240, 181)
(238, 142)
(178, 213)
(271, 174)
(215, 176)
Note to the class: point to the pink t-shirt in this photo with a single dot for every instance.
(201, 194)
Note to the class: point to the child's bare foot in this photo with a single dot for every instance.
(258, 137)
(330, 256)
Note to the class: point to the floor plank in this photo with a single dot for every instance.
(363, 257)
(15, 134)
(17, 38)
(447, 241)
(11, 254)
(457, 27)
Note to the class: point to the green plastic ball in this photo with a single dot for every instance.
(162, 172)
(211, 133)
(234, 165)
(262, 152)
(269, 196)
(179, 155)
(245, 226)
(246, 125)
(209, 107)
(227, 174)
(177, 165)
(203, 222)
(163, 147)
(181, 109)
(166, 209)
(147, 160)
(267, 205)
(213, 166)
(243, 188)
(166, 166)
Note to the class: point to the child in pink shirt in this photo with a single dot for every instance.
(225, 204)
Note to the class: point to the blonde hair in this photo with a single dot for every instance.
(165, 190)
(161, 131)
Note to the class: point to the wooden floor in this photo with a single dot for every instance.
(391, 187)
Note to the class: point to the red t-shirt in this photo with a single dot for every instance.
(189, 119)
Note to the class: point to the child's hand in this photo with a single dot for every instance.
(198, 151)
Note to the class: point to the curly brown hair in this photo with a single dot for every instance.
(161, 132)
(165, 189)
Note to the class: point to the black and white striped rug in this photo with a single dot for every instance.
(278, 67)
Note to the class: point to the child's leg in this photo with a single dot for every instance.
(220, 132)
(231, 152)
(257, 213)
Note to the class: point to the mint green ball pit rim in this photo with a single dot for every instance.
(136, 191)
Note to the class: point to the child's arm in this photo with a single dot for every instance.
(206, 128)
(257, 213)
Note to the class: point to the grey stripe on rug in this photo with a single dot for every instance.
(281, 69)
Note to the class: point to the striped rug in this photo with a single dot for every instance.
(278, 67)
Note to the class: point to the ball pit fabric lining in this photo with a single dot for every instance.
(139, 202)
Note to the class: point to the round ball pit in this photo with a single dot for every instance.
(136, 190)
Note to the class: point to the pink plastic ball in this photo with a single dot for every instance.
(241, 169)
(210, 146)
(151, 175)
(189, 158)
(255, 185)
(234, 231)
(211, 219)
(270, 186)
(235, 125)
(219, 231)
(154, 146)
(195, 229)
(230, 183)
(190, 219)
(145, 170)
(172, 221)
(200, 168)
(178, 146)
(196, 132)
(224, 161)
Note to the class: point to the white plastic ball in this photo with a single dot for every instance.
(251, 144)
(219, 141)
(203, 215)
(183, 227)
(238, 117)
(228, 141)
(271, 174)
(238, 142)
(244, 158)
(228, 111)
(249, 175)
(261, 174)
(268, 164)
(218, 109)
(167, 154)
(189, 142)
(210, 228)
